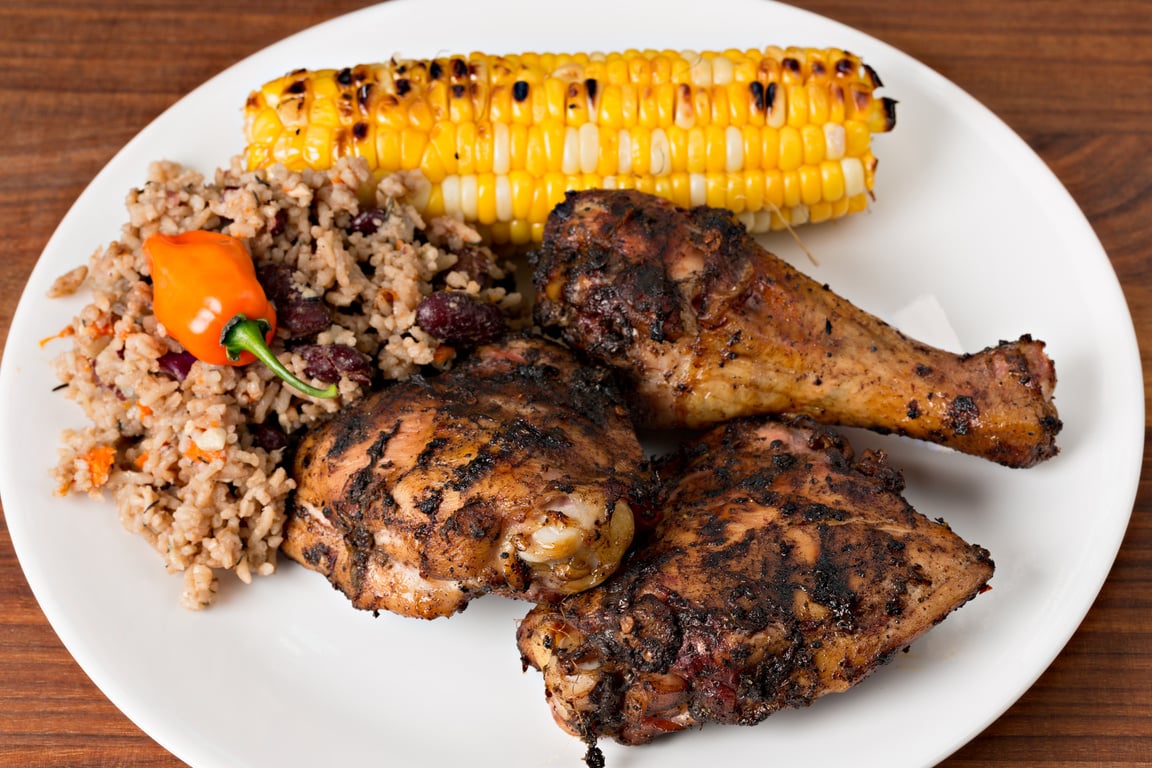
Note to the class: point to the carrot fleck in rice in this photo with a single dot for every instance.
(193, 458)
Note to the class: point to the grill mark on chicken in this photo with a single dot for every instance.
(786, 567)
(361, 484)
(430, 501)
(704, 325)
(830, 581)
(516, 473)
(472, 473)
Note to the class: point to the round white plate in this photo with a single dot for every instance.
(967, 222)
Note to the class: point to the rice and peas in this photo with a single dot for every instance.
(192, 454)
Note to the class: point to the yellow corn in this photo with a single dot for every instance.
(781, 136)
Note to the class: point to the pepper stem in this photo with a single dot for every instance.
(244, 335)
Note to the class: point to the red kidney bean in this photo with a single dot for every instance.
(176, 364)
(460, 320)
(327, 362)
(368, 221)
(474, 262)
(297, 315)
(268, 436)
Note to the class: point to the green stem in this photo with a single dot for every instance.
(244, 335)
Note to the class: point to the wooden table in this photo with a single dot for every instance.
(1074, 79)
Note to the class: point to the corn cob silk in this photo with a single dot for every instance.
(780, 136)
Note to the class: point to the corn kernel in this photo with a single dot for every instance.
(777, 135)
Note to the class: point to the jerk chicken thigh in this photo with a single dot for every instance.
(786, 568)
(705, 325)
(511, 474)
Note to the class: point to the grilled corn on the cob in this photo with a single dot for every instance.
(779, 136)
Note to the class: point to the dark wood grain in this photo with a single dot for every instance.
(1074, 79)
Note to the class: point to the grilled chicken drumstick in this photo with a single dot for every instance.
(785, 568)
(510, 474)
(706, 325)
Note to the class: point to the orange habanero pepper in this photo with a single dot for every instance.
(205, 293)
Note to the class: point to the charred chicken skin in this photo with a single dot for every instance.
(705, 325)
(786, 568)
(510, 474)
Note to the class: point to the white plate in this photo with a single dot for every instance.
(284, 672)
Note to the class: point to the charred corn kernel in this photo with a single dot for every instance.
(817, 103)
(465, 147)
(778, 135)
(577, 107)
(500, 104)
(776, 105)
(556, 98)
(484, 148)
(460, 107)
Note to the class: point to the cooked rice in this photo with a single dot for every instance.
(177, 457)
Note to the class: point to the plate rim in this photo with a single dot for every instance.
(93, 666)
